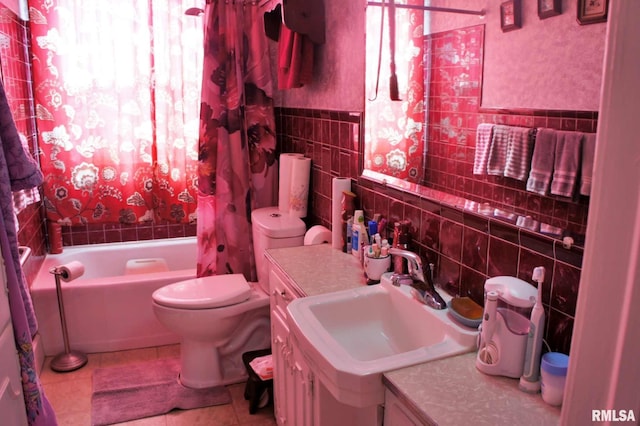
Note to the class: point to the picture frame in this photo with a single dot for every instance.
(510, 15)
(549, 8)
(592, 11)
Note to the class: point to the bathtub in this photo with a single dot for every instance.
(109, 307)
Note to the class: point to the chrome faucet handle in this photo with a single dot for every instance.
(413, 260)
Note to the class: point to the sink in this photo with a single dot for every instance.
(351, 337)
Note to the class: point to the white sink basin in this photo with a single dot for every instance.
(351, 337)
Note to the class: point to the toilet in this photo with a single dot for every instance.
(220, 317)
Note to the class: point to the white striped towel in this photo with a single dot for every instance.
(544, 149)
(519, 152)
(483, 141)
(588, 152)
(567, 163)
(498, 150)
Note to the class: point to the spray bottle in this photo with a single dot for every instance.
(530, 379)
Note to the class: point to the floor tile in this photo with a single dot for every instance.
(70, 395)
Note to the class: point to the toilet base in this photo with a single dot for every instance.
(199, 365)
(203, 364)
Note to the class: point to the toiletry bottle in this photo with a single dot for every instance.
(349, 234)
(356, 234)
(363, 237)
(348, 206)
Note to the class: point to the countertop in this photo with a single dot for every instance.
(449, 391)
(452, 391)
(318, 269)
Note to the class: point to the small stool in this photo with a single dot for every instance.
(255, 386)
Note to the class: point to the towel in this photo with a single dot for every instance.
(24, 197)
(498, 150)
(519, 152)
(483, 141)
(567, 163)
(295, 59)
(588, 152)
(544, 149)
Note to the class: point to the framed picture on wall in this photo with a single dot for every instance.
(548, 8)
(510, 15)
(592, 11)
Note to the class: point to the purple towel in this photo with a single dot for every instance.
(519, 152)
(498, 150)
(567, 163)
(483, 141)
(544, 150)
(588, 152)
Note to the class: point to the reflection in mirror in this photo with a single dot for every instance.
(394, 129)
(425, 143)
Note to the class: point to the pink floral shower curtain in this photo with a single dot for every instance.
(237, 137)
(117, 88)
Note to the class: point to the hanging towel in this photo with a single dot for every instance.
(519, 152)
(295, 59)
(24, 197)
(483, 141)
(498, 150)
(588, 151)
(567, 163)
(544, 149)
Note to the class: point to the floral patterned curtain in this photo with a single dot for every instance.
(395, 130)
(117, 88)
(237, 138)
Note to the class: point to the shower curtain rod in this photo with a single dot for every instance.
(431, 8)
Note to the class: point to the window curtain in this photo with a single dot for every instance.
(117, 87)
(237, 143)
(395, 142)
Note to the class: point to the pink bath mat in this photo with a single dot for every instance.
(146, 389)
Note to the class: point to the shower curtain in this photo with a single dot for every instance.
(17, 172)
(237, 144)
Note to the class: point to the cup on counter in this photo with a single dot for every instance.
(553, 375)
(374, 267)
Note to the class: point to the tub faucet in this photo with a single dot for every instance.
(417, 279)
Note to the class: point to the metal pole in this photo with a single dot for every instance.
(69, 360)
(433, 8)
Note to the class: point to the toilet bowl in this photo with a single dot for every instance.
(220, 317)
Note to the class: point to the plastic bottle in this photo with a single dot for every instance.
(356, 238)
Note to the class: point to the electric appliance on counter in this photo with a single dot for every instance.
(505, 324)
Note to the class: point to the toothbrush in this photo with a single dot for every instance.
(530, 380)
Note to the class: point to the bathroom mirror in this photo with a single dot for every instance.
(455, 70)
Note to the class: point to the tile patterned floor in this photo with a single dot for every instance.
(70, 395)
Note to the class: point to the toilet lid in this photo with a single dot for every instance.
(204, 293)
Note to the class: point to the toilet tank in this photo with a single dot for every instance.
(273, 229)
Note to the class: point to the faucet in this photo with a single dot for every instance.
(417, 279)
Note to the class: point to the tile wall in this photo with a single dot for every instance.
(16, 79)
(466, 244)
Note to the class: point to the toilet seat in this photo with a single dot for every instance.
(216, 291)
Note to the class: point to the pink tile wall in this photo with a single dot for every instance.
(16, 78)
(465, 245)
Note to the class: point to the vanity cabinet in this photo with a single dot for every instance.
(292, 378)
(397, 413)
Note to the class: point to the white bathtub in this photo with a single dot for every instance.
(107, 309)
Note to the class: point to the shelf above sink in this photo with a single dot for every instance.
(351, 337)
